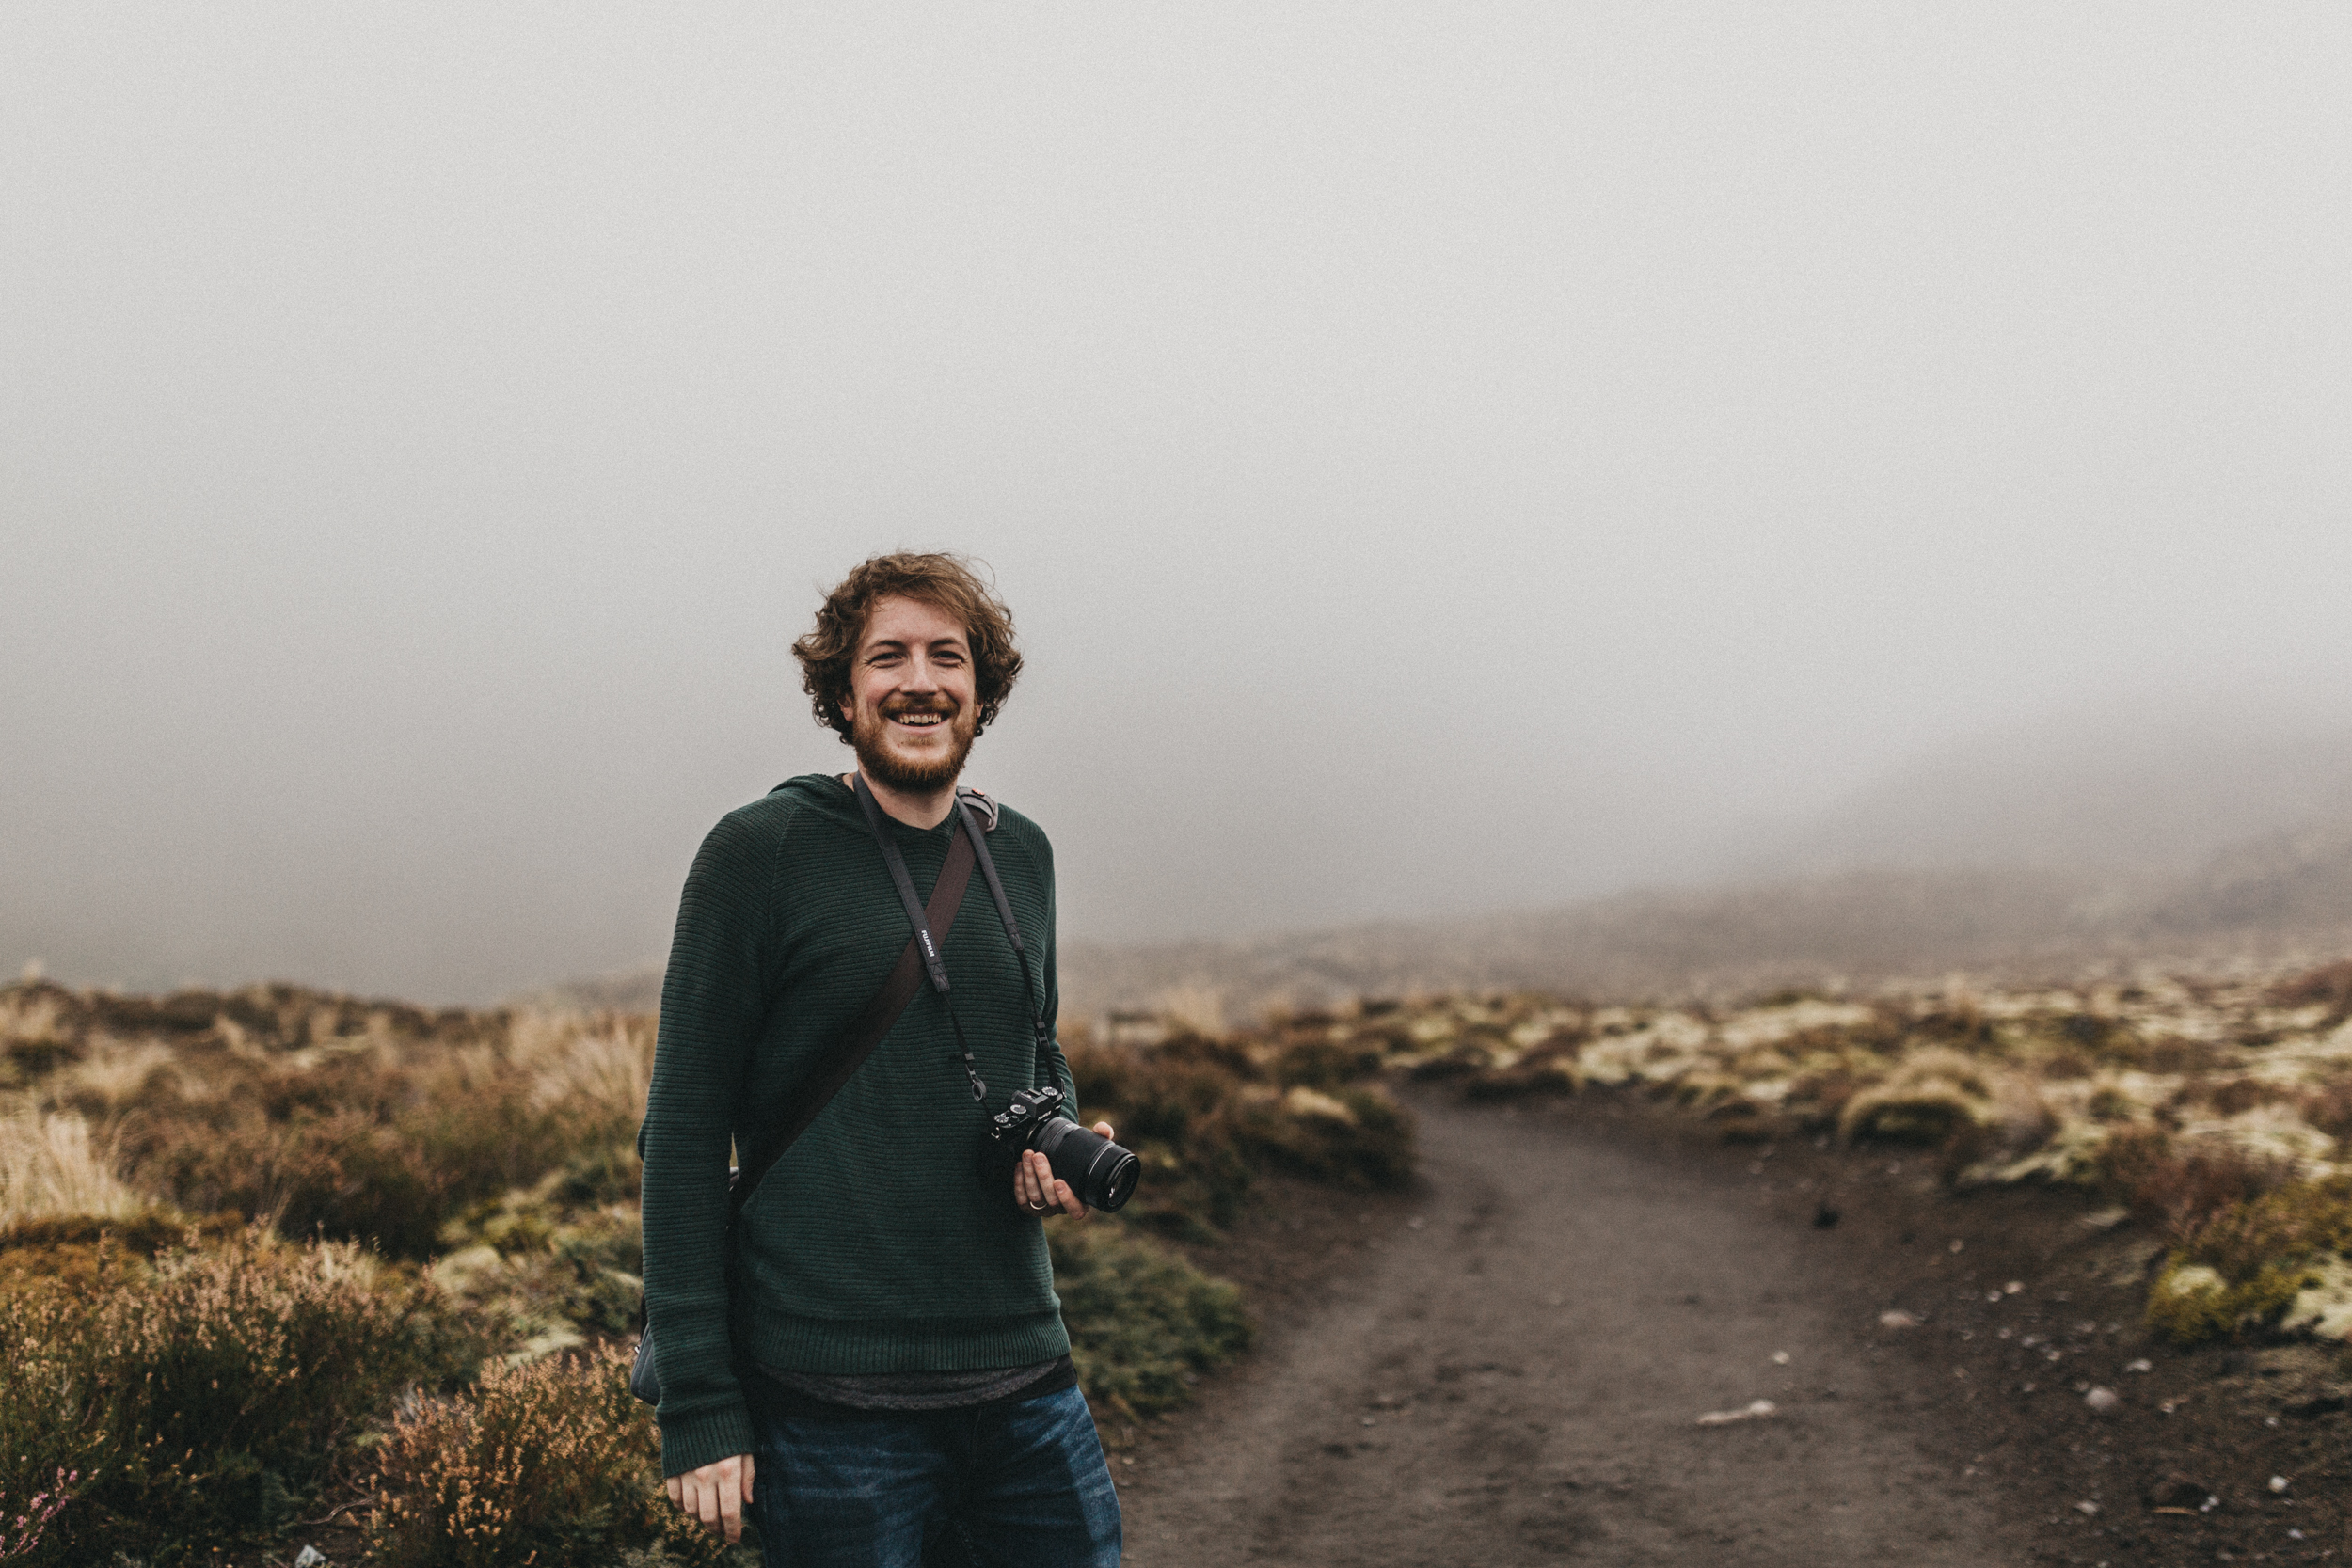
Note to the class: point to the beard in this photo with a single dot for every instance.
(873, 737)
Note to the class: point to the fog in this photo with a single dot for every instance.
(1442, 458)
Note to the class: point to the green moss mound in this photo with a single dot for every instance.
(1143, 1323)
(2242, 1268)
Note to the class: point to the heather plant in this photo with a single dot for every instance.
(549, 1464)
(21, 1528)
(47, 1431)
(205, 1394)
(2180, 1186)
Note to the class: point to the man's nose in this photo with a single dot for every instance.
(921, 674)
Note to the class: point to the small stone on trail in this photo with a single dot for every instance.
(1756, 1410)
(1780, 1358)
(1898, 1320)
(2088, 1507)
(2104, 1401)
(309, 1556)
(2178, 1491)
(2278, 1483)
(2142, 1365)
(2013, 1287)
(2106, 1219)
(1956, 1245)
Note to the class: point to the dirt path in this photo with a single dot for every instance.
(1515, 1374)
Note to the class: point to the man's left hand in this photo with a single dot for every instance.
(1039, 1192)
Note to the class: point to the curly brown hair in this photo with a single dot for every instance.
(949, 581)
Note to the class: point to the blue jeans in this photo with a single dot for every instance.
(1019, 1486)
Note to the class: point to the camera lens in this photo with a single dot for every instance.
(1102, 1173)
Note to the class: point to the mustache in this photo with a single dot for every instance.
(920, 704)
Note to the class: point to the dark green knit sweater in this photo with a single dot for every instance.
(873, 1245)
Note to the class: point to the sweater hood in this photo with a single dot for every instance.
(826, 794)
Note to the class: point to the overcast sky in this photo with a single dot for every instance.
(1441, 458)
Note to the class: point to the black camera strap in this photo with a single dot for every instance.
(1012, 933)
(936, 967)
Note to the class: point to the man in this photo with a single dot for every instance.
(888, 1379)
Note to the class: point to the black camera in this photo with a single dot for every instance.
(1102, 1173)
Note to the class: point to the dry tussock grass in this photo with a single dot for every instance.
(319, 1114)
(51, 1166)
(603, 1062)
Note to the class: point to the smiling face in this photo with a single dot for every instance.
(912, 709)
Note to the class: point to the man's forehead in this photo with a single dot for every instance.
(902, 618)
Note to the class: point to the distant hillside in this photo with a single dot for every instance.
(2281, 897)
(2144, 794)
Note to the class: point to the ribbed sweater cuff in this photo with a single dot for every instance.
(705, 1439)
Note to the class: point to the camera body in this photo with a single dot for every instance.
(1102, 1173)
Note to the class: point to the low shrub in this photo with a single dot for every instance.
(550, 1464)
(556, 1262)
(208, 1393)
(49, 1434)
(2166, 1053)
(383, 1156)
(1174, 1105)
(20, 1533)
(1359, 1138)
(1325, 1063)
(2230, 1097)
(1143, 1323)
(1816, 1100)
(2180, 1187)
(2245, 1262)
(2330, 1109)
(2329, 986)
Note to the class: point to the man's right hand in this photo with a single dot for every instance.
(716, 1493)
